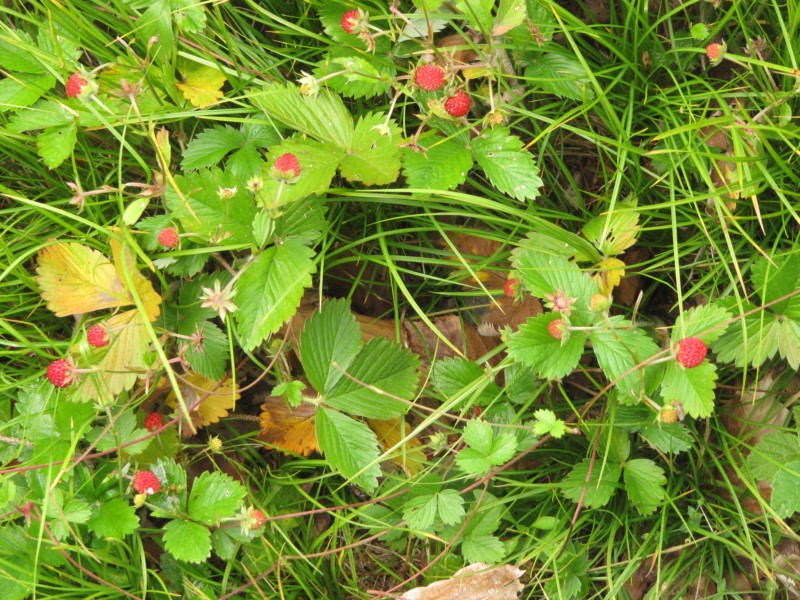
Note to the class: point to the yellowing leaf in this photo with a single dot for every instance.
(121, 363)
(217, 398)
(76, 279)
(124, 265)
(392, 432)
(290, 430)
(202, 85)
(612, 270)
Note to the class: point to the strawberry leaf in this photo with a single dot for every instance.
(600, 487)
(534, 347)
(373, 159)
(615, 231)
(456, 376)
(559, 72)
(786, 490)
(187, 541)
(442, 165)
(508, 166)
(114, 519)
(693, 387)
(215, 496)
(350, 447)
(696, 321)
(644, 484)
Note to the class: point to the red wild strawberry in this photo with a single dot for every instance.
(97, 336)
(257, 519)
(691, 352)
(510, 288)
(458, 104)
(713, 51)
(75, 85)
(146, 482)
(287, 166)
(168, 237)
(349, 21)
(429, 77)
(61, 372)
(556, 328)
(153, 421)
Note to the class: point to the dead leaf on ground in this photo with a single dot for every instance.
(408, 455)
(475, 582)
(289, 429)
(463, 339)
(218, 397)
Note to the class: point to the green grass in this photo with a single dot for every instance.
(650, 100)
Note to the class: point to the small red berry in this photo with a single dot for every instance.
(257, 519)
(168, 237)
(287, 166)
(429, 77)
(713, 51)
(556, 328)
(146, 482)
(153, 421)
(691, 352)
(458, 104)
(510, 287)
(61, 372)
(349, 21)
(97, 336)
(75, 85)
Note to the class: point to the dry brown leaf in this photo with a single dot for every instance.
(475, 582)
(409, 455)
(463, 337)
(218, 398)
(289, 429)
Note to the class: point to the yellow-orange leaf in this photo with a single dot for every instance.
(409, 455)
(612, 270)
(218, 398)
(76, 279)
(290, 430)
(121, 362)
(125, 268)
(202, 85)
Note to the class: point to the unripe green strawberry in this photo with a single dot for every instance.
(668, 414)
(691, 352)
(458, 104)
(429, 77)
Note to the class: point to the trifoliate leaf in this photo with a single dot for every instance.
(479, 14)
(365, 75)
(614, 232)
(508, 166)
(559, 72)
(644, 484)
(548, 423)
(215, 496)
(534, 347)
(269, 291)
(453, 376)
(350, 447)
(696, 321)
(202, 84)
(670, 438)
(420, 512)
(600, 487)
(753, 339)
(114, 519)
(210, 146)
(775, 449)
(122, 431)
(485, 449)
(23, 90)
(786, 490)
(380, 382)
(329, 342)
(132, 279)
(487, 549)
(209, 354)
(510, 13)
(789, 342)
(772, 283)
(693, 387)
(373, 157)
(611, 272)
(441, 164)
(187, 541)
(17, 52)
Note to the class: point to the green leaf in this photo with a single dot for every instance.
(478, 13)
(324, 117)
(695, 321)
(189, 15)
(210, 146)
(202, 209)
(208, 358)
(508, 166)
(442, 165)
(487, 549)
(329, 342)
(302, 221)
(291, 390)
(485, 450)
(55, 145)
(614, 232)
(510, 13)
(693, 387)
(601, 485)
(455, 376)
(775, 449)
(18, 53)
(559, 72)
(23, 90)
(550, 358)
(644, 483)
(45, 114)
(546, 273)
(367, 75)
(547, 422)
(771, 283)
(671, 438)
(187, 541)
(786, 490)
(269, 291)
(699, 32)
(420, 512)
(215, 496)
(380, 382)
(789, 342)
(123, 430)
(350, 447)
(450, 506)
(373, 159)
(754, 339)
(115, 519)
(620, 352)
